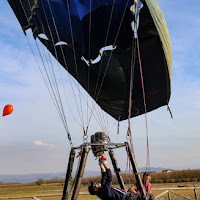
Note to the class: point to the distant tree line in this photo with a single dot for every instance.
(176, 176)
(128, 179)
(156, 177)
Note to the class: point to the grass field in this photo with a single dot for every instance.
(27, 191)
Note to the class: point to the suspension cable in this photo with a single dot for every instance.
(74, 55)
(68, 74)
(106, 39)
(132, 76)
(96, 98)
(76, 70)
(56, 104)
(56, 85)
(89, 47)
(130, 92)
(65, 60)
(63, 88)
(145, 107)
(81, 115)
(54, 99)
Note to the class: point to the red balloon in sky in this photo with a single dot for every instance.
(8, 109)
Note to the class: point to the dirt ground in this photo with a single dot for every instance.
(181, 190)
(175, 185)
(177, 197)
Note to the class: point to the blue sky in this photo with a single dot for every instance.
(32, 138)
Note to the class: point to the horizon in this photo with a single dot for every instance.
(92, 171)
(29, 178)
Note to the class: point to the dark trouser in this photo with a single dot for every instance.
(136, 196)
(133, 196)
(150, 196)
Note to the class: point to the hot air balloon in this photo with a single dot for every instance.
(118, 50)
(69, 22)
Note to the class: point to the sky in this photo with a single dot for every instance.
(33, 138)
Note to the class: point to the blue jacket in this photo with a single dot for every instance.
(106, 191)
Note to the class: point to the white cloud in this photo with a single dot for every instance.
(42, 144)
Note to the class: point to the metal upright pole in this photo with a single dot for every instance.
(136, 172)
(68, 174)
(169, 197)
(195, 192)
(117, 169)
(79, 174)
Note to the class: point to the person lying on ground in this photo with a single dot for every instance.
(105, 191)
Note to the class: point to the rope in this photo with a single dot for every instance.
(68, 74)
(67, 68)
(145, 107)
(143, 90)
(102, 61)
(55, 102)
(110, 54)
(88, 86)
(131, 88)
(129, 134)
(42, 59)
(80, 94)
(80, 115)
(59, 98)
(60, 105)
(168, 108)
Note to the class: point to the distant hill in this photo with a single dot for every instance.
(153, 169)
(27, 178)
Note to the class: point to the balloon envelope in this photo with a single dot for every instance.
(86, 28)
(8, 109)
